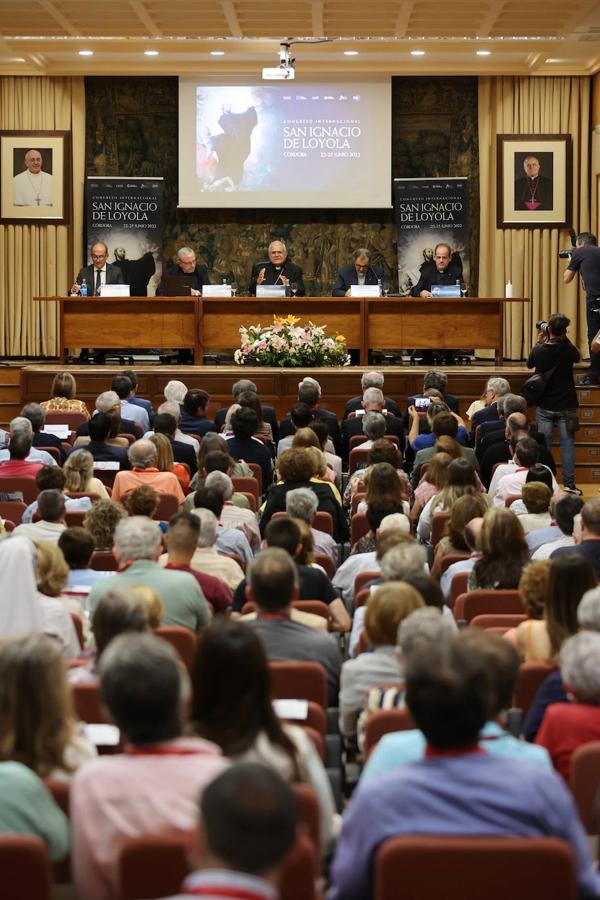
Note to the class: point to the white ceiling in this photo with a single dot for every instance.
(524, 36)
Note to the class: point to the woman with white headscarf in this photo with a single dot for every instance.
(23, 609)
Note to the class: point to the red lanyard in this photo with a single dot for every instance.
(157, 750)
(221, 891)
(472, 749)
(274, 617)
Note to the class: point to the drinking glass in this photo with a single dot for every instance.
(294, 287)
(234, 287)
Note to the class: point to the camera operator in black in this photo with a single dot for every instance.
(558, 404)
(585, 259)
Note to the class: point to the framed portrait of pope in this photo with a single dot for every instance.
(35, 176)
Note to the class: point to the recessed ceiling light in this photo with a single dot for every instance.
(16, 59)
(553, 60)
(217, 53)
(350, 52)
(150, 52)
(483, 52)
(86, 52)
(417, 53)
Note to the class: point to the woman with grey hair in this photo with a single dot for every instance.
(568, 725)
(302, 503)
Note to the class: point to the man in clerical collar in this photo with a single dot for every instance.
(33, 187)
(278, 271)
(534, 191)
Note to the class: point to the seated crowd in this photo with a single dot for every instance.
(160, 570)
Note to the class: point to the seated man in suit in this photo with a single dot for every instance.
(369, 380)
(165, 423)
(445, 272)
(241, 387)
(37, 416)
(489, 433)
(372, 401)
(516, 427)
(359, 273)
(193, 276)
(99, 273)
(108, 402)
(309, 392)
(494, 389)
(437, 380)
(279, 270)
(99, 428)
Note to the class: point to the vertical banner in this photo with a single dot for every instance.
(429, 211)
(127, 215)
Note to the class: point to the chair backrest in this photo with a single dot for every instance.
(252, 501)
(78, 626)
(168, 505)
(25, 872)
(60, 788)
(584, 780)
(359, 526)
(450, 558)
(383, 721)
(530, 679)
(182, 639)
(299, 681)
(358, 459)
(362, 597)
(357, 498)
(247, 485)
(13, 510)
(74, 517)
(155, 866)
(87, 703)
(315, 607)
(458, 586)
(480, 602)
(257, 473)
(457, 868)
(438, 523)
(326, 562)
(323, 521)
(363, 578)
(54, 452)
(106, 476)
(499, 622)
(24, 484)
(72, 419)
(104, 561)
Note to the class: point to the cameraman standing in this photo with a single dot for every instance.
(554, 353)
(586, 260)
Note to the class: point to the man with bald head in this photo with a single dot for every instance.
(445, 271)
(277, 271)
(143, 457)
(33, 186)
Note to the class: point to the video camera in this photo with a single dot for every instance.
(566, 254)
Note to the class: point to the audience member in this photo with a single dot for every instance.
(532, 643)
(309, 392)
(456, 790)
(42, 439)
(536, 499)
(133, 398)
(17, 463)
(100, 445)
(194, 419)
(240, 387)
(28, 809)
(273, 586)
(503, 552)
(143, 457)
(381, 451)
(63, 392)
(77, 546)
(372, 401)
(432, 482)
(509, 479)
(467, 508)
(182, 543)
(101, 521)
(52, 478)
(377, 511)
(444, 428)
(233, 516)
(79, 474)
(302, 503)
(232, 707)
(301, 416)
(52, 573)
(461, 481)
(137, 548)
(382, 484)
(207, 559)
(165, 461)
(248, 819)
(37, 721)
(157, 783)
(472, 537)
(142, 501)
(566, 726)
(229, 540)
(51, 523)
(370, 380)
(182, 448)
(559, 533)
(495, 388)
(422, 441)
(491, 432)
(433, 380)
(175, 391)
(243, 445)
(587, 536)
(386, 607)
(122, 386)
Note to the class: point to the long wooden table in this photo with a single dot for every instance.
(213, 323)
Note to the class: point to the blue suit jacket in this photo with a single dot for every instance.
(349, 276)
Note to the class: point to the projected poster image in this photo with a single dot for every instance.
(281, 145)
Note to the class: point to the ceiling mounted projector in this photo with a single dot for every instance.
(285, 70)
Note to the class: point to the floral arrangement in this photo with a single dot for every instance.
(286, 343)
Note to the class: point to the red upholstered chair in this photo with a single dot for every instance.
(13, 484)
(75, 517)
(9, 526)
(25, 869)
(384, 721)
(60, 788)
(257, 473)
(452, 868)
(323, 522)
(359, 526)
(358, 497)
(168, 505)
(326, 563)
(247, 485)
(104, 561)
(54, 452)
(500, 622)
(480, 602)
(584, 781)
(530, 679)
(361, 598)
(299, 681)
(12, 509)
(78, 626)
(357, 460)
(252, 501)
(363, 578)
(87, 703)
(182, 640)
(438, 523)
(106, 476)
(458, 586)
